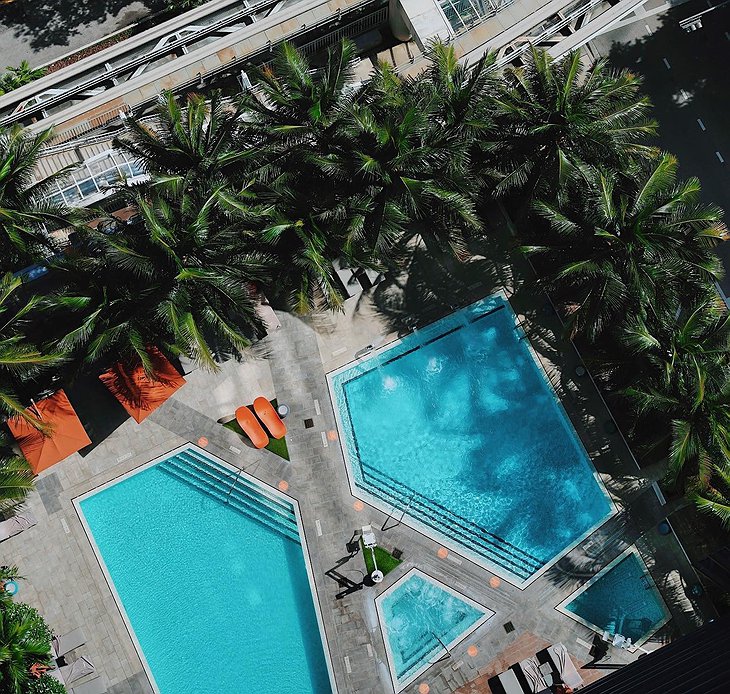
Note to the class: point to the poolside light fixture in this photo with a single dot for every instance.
(369, 542)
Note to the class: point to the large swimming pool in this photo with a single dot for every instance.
(457, 426)
(212, 585)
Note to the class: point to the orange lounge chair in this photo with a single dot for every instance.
(268, 415)
(251, 427)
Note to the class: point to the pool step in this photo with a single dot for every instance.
(261, 491)
(474, 537)
(240, 493)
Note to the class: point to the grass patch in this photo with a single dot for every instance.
(276, 446)
(385, 560)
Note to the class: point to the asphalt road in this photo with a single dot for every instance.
(41, 31)
(687, 77)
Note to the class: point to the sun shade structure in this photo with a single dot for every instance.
(64, 435)
(136, 391)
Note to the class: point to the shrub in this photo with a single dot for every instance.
(45, 685)
(20, 612)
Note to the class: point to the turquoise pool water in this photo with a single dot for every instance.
(623, 599)
(216, 591)
(457, 424)
(419, 618)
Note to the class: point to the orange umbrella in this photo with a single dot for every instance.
(65, 434)
(138, 393)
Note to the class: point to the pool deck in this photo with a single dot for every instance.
(65, 582)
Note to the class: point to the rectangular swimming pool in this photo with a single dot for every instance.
(211, 578)
(456, 425)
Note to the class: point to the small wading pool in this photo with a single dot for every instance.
(421, 618)
(456, 425)
(214, 587)
(620, 599)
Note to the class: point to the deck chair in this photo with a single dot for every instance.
(68, 642)
(529, 671)
(368, 536)
(16, 525)
(95, 686)
(562, 662)
(509, 682)
(75, 671)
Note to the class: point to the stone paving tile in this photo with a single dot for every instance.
(49, 488)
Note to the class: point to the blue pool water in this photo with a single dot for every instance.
(216, 593)
(419, 618)
(623, 600)
(457, 423)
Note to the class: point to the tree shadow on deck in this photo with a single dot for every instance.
(47, 23)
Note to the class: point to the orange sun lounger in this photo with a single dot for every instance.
(251, 427)
(268, 415)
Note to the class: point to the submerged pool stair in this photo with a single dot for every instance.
(467, 533)
(239, 492)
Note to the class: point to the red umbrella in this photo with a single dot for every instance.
(136, 391)
(64, 433)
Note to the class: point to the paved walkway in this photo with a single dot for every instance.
(64, 579)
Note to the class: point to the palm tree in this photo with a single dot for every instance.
(714, 498)
(555, 115)
(20, 361)
(24, 641)
(179, 280)
(628, 245)
(463, 95)
(195, 139)
(348, 171)
(25, 212)
(411, 157)
(17, 76)
(680, 385)
(16, 477)
(295, 122)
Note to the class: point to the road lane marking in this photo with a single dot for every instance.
(701, 124)
(648, 29)
(666, 62)
(719, 156)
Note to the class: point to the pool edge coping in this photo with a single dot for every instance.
(423, 528)
(487, 616)
(76, 501)
(631, 549)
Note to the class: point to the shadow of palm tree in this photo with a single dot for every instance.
(691, 86)
(46, 24)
